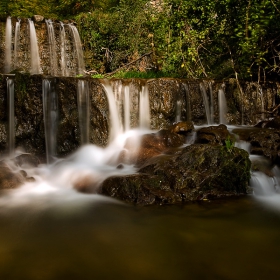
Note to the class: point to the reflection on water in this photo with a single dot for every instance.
(104, 239)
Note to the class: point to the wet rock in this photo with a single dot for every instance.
(26, 160)
(150, 145)
(213, 135)
(10, 179)
(194, 173)
(272, 123)
(266, 142)
(182, 127)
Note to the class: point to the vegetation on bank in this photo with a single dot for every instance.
(178, 38)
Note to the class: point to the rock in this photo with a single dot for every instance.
(10, 179)
(38, 18)
(182, 127)
(273, 123)
(150, 145)
(194, 173)
(266, 142)
(213, 135)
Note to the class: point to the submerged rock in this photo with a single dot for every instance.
(194, 173)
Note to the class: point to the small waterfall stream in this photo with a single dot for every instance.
(62, 37)
(34, 51)
(50, 108)
(52, 48)
(11, 113)
(83, 110)
(79, 50)
(8, 46)
(144, 108)
(126, 108)
(115, 121)
(16, 45)
(222, 106)
(206, 103)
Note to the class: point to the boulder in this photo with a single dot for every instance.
(194, 173)
(154, 144)
(213, 135)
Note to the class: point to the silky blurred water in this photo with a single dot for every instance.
(102, 238)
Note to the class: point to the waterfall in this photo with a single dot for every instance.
(35, 59)
(211, 103)
(115, 121)
(178, 110)
(11, 113)
(144, 108)
(8, 46)
(62, 37)
(126, 108)
(206, 103)
(222, 106)
(50, 110)
(262, 101)
(16, 45)
(83, 110)
(78, 49)
(188, 102)
(52, 48)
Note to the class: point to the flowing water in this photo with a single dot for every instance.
(50, 110)
(48, 230)
(34, 50)
(83, 110)
(222, 106)
(11, 112)
(8, 45)
(16, 46)
(52, 48)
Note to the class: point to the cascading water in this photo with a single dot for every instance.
(34, 51)
(79, 50)
(178, 110)
(8, 46)
(206, 103)
(126, 108)
(62, 37)
(52, 48)
(16, 45)
(84, 110)
(115, 121)
(222, 106)
(50, 108)
(188, 101)
(11, 112)
(211, 103)
(144, 108)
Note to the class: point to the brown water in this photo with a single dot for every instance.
(233, 239)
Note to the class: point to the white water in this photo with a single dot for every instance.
(126, 108)
(62, 38)
(34, 50)
(50, 110)
(16, 46)
(78, 49)
(83, 110)
(144, 108)
(52, 48)
(11, 112)
(222, 106)
(178, 110)
(8, 46)
(206, 103)
(115, 121)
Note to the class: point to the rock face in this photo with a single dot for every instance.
(194, 173)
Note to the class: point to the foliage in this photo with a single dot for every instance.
(186, 38)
